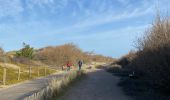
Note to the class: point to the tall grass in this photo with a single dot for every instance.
(12, 74)
(153, 56)
(56, 86)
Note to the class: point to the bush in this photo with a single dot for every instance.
(153, 56)
(59, 55)
(125, 60)
(26, 52)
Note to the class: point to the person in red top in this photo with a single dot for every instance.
(69, 65)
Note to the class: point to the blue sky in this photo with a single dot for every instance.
(107, 27)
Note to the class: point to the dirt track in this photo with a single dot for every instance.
(98, 85)
(19, 91)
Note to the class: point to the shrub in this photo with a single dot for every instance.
(59, 55)
(126, 59)
(26, 52)
(153, 56)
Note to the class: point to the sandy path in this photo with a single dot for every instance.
(98, 85)
(19, 91)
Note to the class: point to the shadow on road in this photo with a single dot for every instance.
(137, 88)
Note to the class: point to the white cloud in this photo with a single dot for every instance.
(118, 33)
(32, 3)
(112, 14)
(125, 2)
(10, 7)
(111, 17)
(51, 5)
(103, 18)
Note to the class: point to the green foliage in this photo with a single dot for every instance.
(26, 51)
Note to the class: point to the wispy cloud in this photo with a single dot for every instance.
(52, 5)
(18, 7)
(113, 34)
(59, 21)
(10, 7)
(110, 16)
(125, 2)
(41, 3)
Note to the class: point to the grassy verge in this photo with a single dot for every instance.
(57, 87)
(12, 74)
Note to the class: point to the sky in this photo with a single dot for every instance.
(107, 27)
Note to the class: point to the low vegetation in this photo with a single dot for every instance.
(20, 66)
(150, 64)
(153, 56)
(12, 73)
(56, 86)
(58, 55)
(41, 62)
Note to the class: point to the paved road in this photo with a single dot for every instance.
(24, 89)
(98, 85)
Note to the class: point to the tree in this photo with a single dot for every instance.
(26, 52)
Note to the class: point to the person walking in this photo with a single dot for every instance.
(80, 63)
(69, 65)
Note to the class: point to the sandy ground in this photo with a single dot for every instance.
(98, 85)
(17, 92)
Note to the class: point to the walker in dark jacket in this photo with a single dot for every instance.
(80, 63)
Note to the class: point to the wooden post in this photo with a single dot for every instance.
(19, 74)
(38, 72)
(45, 71)
(4, 76)
(29, 71)
(29, 68)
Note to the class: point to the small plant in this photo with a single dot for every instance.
(26, 51)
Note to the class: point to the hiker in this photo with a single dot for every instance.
(80, 63)
(63, 67)
(69, 65)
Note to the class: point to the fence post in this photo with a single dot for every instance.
(38, 72)
(18, 74)
(45, 71)
(4, 76)
(29, 71)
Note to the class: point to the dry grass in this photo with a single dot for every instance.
(7, 65)
(12, 73)
(153, 57)
(56, 86)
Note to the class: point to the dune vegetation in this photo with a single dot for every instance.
(56, 86)
(12, 74)
(28, 63)
(149, 66)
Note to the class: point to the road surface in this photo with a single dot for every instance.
(19, 91)
(98, 85)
